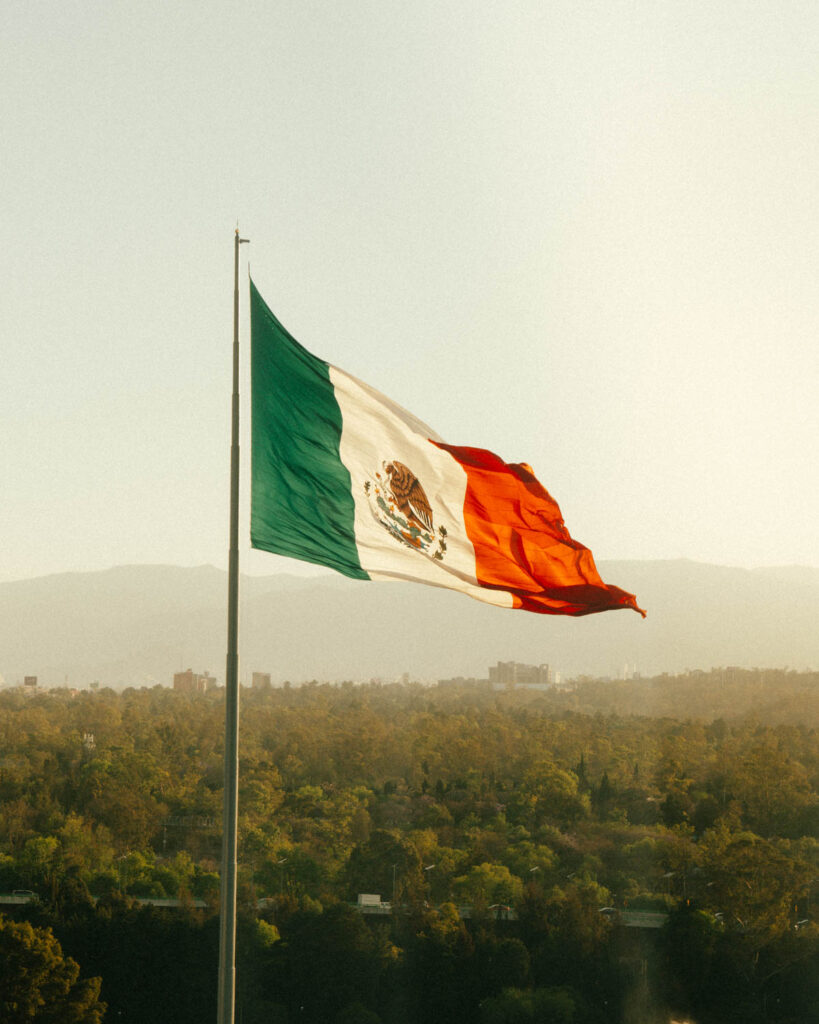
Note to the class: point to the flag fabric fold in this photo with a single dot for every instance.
(344, 477)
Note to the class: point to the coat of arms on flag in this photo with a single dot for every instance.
(399, 503)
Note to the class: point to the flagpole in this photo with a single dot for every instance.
(227, 924)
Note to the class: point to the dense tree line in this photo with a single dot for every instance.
(557, 805)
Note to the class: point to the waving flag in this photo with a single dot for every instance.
(344, 477)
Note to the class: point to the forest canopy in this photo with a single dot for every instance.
(554, 805)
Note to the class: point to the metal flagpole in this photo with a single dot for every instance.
(227, 924)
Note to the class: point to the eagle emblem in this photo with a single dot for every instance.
(399, 503)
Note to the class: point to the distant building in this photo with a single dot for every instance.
(30, 681)
(260, 681)
(190, 682)
(463, 681)
(186, 682)
(509, 675)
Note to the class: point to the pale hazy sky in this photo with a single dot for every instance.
(584, 235)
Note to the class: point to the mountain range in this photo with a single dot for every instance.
(137, 625)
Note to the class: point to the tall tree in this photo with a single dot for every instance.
(38, 985)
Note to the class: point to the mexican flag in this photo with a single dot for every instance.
(342, 476)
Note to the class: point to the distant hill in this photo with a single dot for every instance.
(137, 625)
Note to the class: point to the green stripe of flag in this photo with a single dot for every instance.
(301, 493)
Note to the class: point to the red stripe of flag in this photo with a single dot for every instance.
(521, 543)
